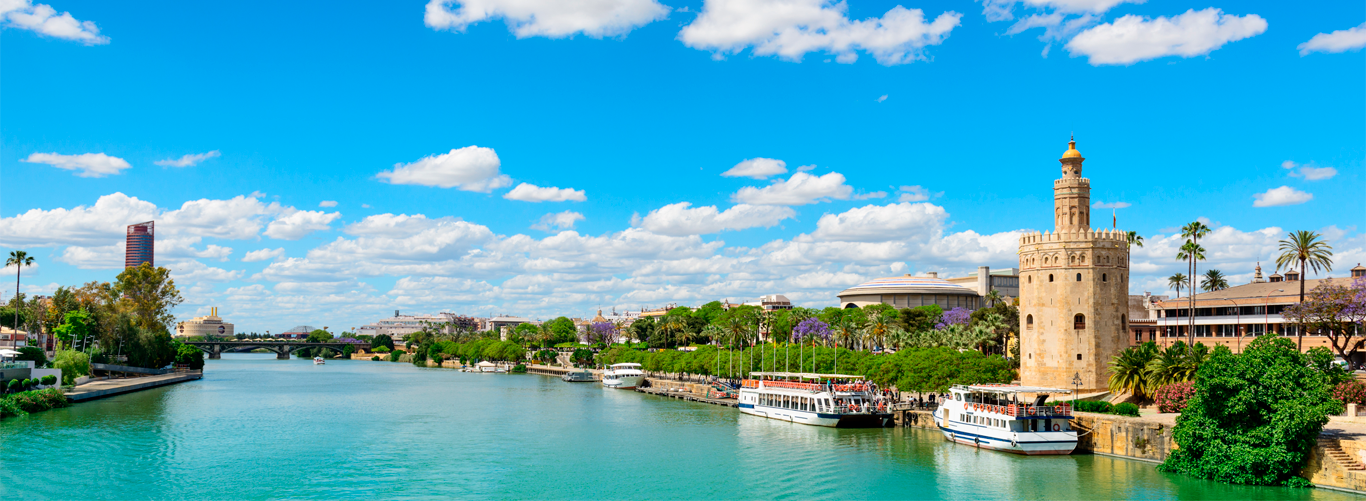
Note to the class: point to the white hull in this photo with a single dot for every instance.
(792, 416)
(622, 382)
(983, 436)
(752, 400)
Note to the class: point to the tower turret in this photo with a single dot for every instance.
(1072, 193)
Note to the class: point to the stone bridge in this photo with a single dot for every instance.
(282, 349)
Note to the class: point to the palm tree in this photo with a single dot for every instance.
(1194, 231)
(1193, 252)
(19, 259)
(993, 297)
(1306, 248)
(1176, 281)
(1129, 370)
(1134, 238)
(677, 329)
(1214, 281)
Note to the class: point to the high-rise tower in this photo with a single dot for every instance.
(1074, 284)
(140, 246)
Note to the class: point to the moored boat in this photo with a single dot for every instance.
(624, 376)
(833, 400)
(579, 376)
(319, 361)
(996, 417)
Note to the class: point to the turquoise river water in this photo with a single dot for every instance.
(260, 428)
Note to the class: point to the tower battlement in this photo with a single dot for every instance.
(1103, 235)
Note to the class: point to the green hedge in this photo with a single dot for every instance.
(26, 402)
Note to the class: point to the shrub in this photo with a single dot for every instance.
(1174, 397)
(73, 364)
(33, 353)
(374, 358)
(519, 368)
(1126, 409)
(38, 401)
(383, 349)
(395, 355)
(419, 358)
(1094, 406)
(13, 385)
(1350, 392)
(1255, 416)
(49, 380)
(8, 408)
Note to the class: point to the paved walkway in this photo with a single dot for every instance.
(111, 387)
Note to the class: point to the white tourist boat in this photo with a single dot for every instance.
(319, 360)
(623, 376)
(489, 367)
(834, 400)
(998, 417)
(579, 376)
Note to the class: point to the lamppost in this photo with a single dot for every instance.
(1238, 323)
(1266, 315)
(1076, 386)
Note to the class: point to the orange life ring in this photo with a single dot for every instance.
(1032, 411)
(1057, 428)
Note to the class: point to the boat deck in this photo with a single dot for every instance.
(683, 395)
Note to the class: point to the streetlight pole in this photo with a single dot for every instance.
(1266, 311)
(1076, 386)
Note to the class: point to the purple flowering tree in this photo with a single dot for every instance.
(604, 332)
(956, 316)
(1335, 311)
(812, 328)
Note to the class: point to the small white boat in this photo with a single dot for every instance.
(319, 361)
(623, 376)
(997, 417)
(814, 399)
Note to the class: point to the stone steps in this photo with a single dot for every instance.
(1333, 449)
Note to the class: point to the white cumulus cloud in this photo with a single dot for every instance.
(1111, 205)
(558, 221)
(914, 194)
(296, 224)
(680, 219)
(880, 223)
(800, 189)
(792, 28)
(471, 168)
(327, 203)
(263, 255)
(757, 168)
(1337, 41)
(1284, 195)
(532, 193)
(547, 18)
(187, 160)
(44, 19)
(1131, 38)
(85, 164)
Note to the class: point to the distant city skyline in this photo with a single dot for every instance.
(542, 162)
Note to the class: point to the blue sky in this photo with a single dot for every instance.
(890, 137)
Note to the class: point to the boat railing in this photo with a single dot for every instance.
(794, 385)
(1023, 410)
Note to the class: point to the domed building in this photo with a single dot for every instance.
(909, 292)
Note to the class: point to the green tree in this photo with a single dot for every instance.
(1135, 240)
(33, 353)
(1254, 417)
(382, 340)
(1214, 280)
(149, 294)
(1308, 250)
(709, 312)
(18, 259)
(76, 326)
(562, 330)
(1176, 282)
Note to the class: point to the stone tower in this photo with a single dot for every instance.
(1074, 291)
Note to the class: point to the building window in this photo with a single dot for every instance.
(1102, 277)
(1079, 277)
(1029, 321)
(1050, 277)
(1030, 279)
(1078, 356)
(1079, 322)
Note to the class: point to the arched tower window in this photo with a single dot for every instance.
(1124, 323)
(1029, 321)
(1102, 277)
(1050, 277)
(1079, 322)
(1029, 279)
(1079, 277)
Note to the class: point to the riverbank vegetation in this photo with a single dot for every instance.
(26, 402)
(910, 370)
(1254, 417)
